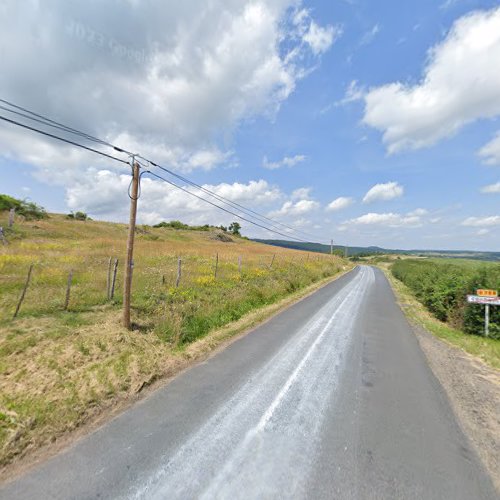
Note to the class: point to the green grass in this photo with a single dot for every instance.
(60, 368)
(487, 349)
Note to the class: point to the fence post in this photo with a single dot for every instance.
(24, 291)
(113, 281)
(272, 261)
(12, 211)
(108, 279)
(239, 264)
(179, 272)
(216, 264)
(68, 290)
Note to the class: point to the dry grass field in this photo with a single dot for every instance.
(58, 369)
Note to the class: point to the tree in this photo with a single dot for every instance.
(234, 228)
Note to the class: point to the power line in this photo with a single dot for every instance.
(224, 209)
(52, 123)
(62, 139)
(249, 211)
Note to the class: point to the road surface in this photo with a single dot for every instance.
(330, 399)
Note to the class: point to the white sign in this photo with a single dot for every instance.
(476, 299)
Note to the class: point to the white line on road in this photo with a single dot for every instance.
(269, 428)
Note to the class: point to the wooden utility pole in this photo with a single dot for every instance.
(127, 286)
(331, 247)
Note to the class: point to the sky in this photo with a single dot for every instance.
(369, 123)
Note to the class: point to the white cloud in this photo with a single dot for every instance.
(491, 151)
(171, 82)
(385, 219)
(419, 212)
(160, 201)
(301, 194)
(492, 220)
(300, 207)
(287, 161)
(384, 192)
(482, 232)
(460, 85)
(319, 39)
(353, 93)
(491, 188)
(339, 204)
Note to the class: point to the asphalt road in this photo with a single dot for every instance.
(330, 399)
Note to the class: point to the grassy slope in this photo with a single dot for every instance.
(488, 350)
(58, 369)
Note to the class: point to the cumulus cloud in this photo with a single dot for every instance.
(300, 207)
(491, 188)
(491, 151)
(492, 220)
(459, 85)
(386, 219)
(161, 201)
(287, 161)
(318, 38)
(171, 82)
(299, 204)
(339, 204)
(384, 192)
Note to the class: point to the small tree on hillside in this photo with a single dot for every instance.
(234, 228)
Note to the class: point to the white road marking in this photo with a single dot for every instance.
(270, 428)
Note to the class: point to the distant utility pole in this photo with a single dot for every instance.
(127, 287)
(331, 247)
(346, 252)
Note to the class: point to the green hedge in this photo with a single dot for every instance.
(442, 287)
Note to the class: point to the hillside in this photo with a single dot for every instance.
(373, 250)
(58, 368)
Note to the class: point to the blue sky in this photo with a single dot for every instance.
(282, 106)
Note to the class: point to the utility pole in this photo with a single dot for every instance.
(331, 247)
(127, 287)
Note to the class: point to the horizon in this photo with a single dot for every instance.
(344, 120)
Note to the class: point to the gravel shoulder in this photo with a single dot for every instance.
(474, 392)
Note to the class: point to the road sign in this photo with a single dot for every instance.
(476, 299)
(486, 293)
(487, 301)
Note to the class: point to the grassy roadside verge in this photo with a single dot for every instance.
(488, 350)
(85, 377)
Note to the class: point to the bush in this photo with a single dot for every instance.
(442, 287)
(28, 209)
(78, 216)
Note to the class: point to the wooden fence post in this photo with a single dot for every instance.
(68, 290)
(272, 261)
(179, 272)
(216, 264)
(239, 264)
(108, 279)
(113, 281)
(12, 211)
(24, 291)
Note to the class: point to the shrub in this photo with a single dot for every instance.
(442, 287)
(28, 209)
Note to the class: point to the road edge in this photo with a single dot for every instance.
(467, 400)
(194, 354)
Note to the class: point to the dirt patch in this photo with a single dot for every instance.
(224, 238)
(474, 392)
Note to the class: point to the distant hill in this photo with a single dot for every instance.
(374, 250)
